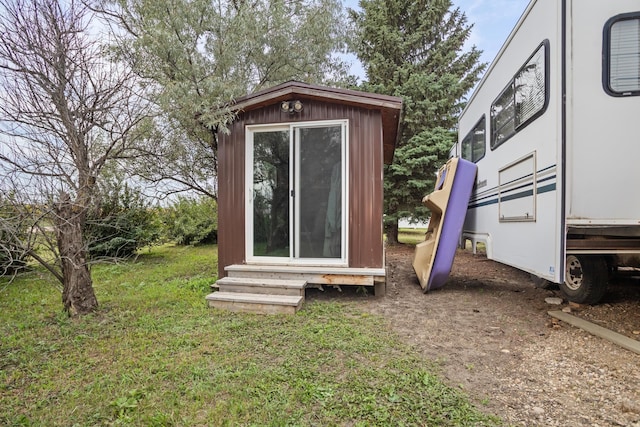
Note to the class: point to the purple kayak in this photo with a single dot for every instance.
(448, 205)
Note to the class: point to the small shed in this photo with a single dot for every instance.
(300, 189)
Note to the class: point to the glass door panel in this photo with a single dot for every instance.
(271, 225)
(319, 183)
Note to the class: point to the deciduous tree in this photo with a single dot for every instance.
(66, 111)
(202, 54)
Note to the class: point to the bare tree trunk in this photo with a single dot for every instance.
(391, 229)
(78, 296)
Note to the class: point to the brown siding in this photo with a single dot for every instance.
(365, 179)
(365, 190)
(231, 234)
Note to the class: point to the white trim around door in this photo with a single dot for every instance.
(297, 193)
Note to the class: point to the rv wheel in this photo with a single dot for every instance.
(585, 279)
(541, 283)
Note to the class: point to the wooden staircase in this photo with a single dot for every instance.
(257, 295)
(281, 288)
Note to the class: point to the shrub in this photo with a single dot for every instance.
(192, 221)
(14, 233)
(121, 222)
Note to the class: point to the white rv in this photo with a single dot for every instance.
(554, 127)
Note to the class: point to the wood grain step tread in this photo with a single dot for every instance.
(275, 283)
(291, 300)
(305, 269)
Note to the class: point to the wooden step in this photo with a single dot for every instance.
(262, 286)
(316, 275)
(255, 303)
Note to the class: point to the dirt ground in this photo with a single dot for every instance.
(489, 331)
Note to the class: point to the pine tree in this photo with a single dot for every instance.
(415, 49)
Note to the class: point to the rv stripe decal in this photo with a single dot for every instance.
(494, 191)
(490, 193)
(528, 193)
(530, 184)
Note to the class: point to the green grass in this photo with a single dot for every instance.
(155, 355)
(411, 236)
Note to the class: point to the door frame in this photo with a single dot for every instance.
(294, 239)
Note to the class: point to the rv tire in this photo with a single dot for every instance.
(541, 283)
(586, 279)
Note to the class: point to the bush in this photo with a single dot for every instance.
(193, 221)
(121, 222)
(14, 236)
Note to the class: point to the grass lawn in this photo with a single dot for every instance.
(155, 355)
(411, 236)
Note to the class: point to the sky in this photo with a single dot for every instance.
(492, 22)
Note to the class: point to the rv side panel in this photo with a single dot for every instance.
(516, 205)
(603, 149)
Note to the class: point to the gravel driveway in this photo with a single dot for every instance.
(489, 330)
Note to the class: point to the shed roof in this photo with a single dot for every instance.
(389, 106)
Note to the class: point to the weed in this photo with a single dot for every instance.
(362, 290)
(125, 405)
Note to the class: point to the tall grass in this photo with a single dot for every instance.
(155, 355)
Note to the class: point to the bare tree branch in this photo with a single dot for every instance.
(67, 111)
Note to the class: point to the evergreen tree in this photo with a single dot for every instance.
(414, 49)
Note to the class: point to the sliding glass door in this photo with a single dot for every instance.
(270, 217)
(296, 202)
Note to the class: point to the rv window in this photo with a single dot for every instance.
(530, 88)
(474, 143)
(503, 117)
(524, 99)
(622, 43)
(467, 153)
